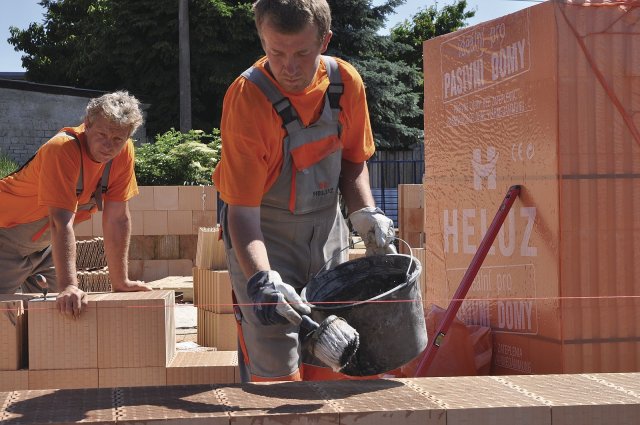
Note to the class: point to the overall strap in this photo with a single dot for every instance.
(336, 87)
(280, 103)
(103, 183)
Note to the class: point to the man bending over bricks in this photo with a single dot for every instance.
(67, 180)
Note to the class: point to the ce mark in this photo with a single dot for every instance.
(517, 153)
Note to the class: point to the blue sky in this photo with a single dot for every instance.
(21, 13)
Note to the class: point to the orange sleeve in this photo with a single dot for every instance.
(122, 179)
(56, 184)
(357, 137)
(251, 145)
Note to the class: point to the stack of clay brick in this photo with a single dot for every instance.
(164, 229)
(212, 292)
(91, 266)
(119, 340)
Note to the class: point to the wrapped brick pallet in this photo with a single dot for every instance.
(548, 97)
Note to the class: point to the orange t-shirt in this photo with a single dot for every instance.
(50, 180)
(252, 131)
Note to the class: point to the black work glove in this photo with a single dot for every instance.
(275, 302)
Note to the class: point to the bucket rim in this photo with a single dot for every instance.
(410, 277)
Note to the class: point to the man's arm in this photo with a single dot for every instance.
(71, 299)
(116, 226)
(354, 186)
(247, 239)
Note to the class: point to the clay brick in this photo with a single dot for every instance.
(188, 246)
(84, 228)
(203, 219)
(155, 223)
(132, 377)
(12, 332)
(197, 198)
(136, 247)
(137, 222)
(155, 269)
(203, 367)
(136, 269)
(136, 330)
(63, 379)
(167, 247)
(143, 201)
(14, 380)
(210, 252)
(226, 332)
(179, 267)
(58, 341)
(223, 298)
(165, 198)
(96, 222)
(180, 222)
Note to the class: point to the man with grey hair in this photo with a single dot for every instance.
(77, 172)
(296, 133)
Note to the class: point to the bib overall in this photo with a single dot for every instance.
(301, 222)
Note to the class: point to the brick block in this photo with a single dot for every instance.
(63, 379)
(203, 367)
(57, 341)
(226, 332)
(223, 298)
(136, 330)
(84, 228)
(132, 377)
(197, 198)
(165, 198)
(137, 222)
(155, 223)
(136, 269)
(12, 332)
(167, 247)
(180, 222)
(210, 251)
(202, 219)
(155, 269)
(188, 246)
(179, 267)
(96, 222)
(144, 200)
(14, 380)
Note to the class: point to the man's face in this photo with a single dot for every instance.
(293, 58)
(105, 139)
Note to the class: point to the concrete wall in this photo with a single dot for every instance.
(31, 113)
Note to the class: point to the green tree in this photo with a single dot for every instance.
(392, 86)
(115, 44)
(178, 158)
(426, 24)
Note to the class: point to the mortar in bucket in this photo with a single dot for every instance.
(380, 297)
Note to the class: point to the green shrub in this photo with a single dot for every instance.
(178, 158)
(7, 166)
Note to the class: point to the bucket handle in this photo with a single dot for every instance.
(351, 245)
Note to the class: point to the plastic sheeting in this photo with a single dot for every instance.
(549, 98)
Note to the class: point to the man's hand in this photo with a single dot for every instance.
(71, 301)
(130, 286)
(375, 229)
(275, 301)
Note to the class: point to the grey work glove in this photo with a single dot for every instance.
(275, 302)
(375, 229)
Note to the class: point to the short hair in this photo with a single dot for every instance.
(119, 107)
(291, 16)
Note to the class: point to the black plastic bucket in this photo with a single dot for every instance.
(380, 297)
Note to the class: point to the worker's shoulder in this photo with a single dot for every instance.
(348, 72)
